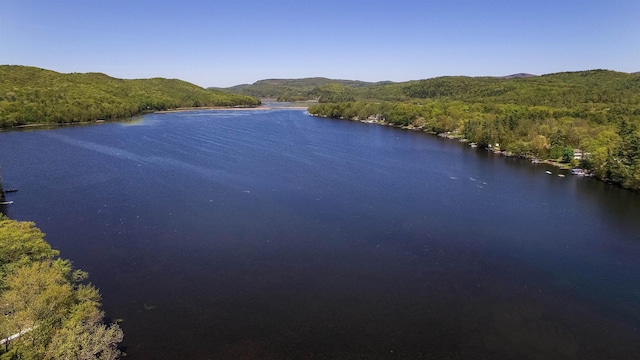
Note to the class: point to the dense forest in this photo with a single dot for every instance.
(588, 119)
(30, 95)
(49, 312)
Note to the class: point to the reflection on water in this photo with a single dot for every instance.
(271, 234)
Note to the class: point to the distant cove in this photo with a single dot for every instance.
(273, 234)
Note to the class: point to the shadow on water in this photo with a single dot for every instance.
(2, 199)
(5, 199)
(3, 206)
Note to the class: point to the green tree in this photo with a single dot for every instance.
(49, 312)
(83, 336)
(21, 243)
(567, 154)
(539, 146)
(36, 299)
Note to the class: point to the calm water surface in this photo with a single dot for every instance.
(275, 235)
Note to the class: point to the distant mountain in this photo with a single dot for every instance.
(518, 76)
(295, 89)
(559, 89)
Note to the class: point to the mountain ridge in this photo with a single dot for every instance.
(562, 88)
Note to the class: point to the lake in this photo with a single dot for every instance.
(275, 235)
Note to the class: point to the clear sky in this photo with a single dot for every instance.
(230, 42)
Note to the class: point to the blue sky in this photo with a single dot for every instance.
(225, 43)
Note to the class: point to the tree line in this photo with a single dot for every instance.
(48, 310)
(30, 95)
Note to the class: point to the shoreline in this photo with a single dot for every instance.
(506, 154)
(182, 109)
(226, 108)
(254, 108)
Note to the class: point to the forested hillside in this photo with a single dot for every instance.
(549, 117)
(31, 95)
(295, 89)
(48, 311)
(561, 89)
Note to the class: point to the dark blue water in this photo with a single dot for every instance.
(275, 235)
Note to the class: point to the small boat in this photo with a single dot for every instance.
(6, 203)
(548, 172)
(11, 190)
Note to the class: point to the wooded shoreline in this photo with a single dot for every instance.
(583, 167)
